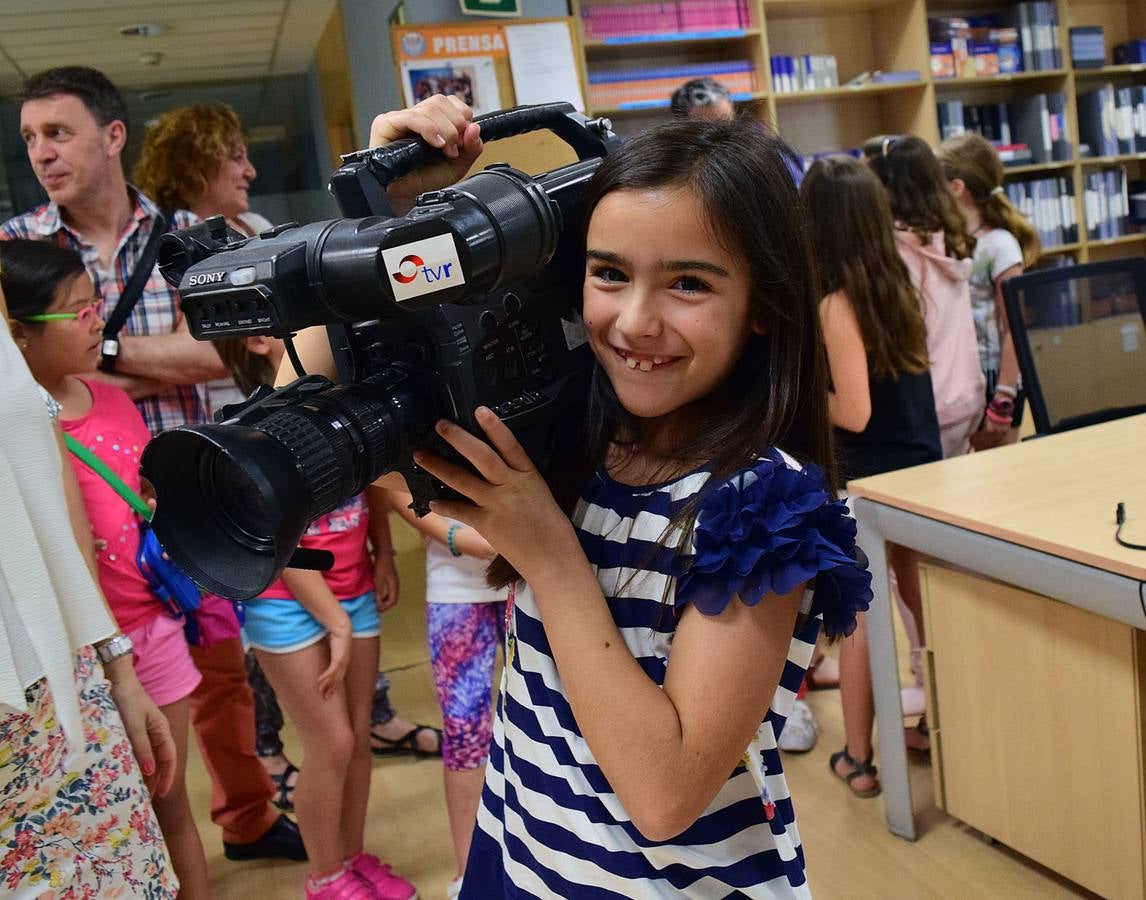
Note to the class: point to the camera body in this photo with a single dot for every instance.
(471, 299)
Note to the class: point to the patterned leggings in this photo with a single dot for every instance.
(464, 638)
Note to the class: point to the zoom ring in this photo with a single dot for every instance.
(320, 452)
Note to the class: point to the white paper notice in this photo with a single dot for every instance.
(541, 58)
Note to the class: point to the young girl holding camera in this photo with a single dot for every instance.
(56, 324)
(662, 616)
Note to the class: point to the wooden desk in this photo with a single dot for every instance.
(1037, 515)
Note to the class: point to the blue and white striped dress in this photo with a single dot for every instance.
(549, 824)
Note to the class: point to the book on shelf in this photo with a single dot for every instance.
(1039, 35)
(1048, 203)
(623, 88)
(1087, 47)
(1138, 203)
(1112, 120)
(1026, 39)
(1130, 52)
(1106, 201)
(678, 18)
(1040, 122)
(808, 72)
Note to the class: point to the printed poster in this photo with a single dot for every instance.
(455, 60)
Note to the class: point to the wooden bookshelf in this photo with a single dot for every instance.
(885, 35)
(1035, 168)
(1006, 78)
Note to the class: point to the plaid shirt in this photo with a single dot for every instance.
(157, 311)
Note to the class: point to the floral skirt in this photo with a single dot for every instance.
(76, 822)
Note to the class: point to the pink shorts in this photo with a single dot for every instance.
(163, 661)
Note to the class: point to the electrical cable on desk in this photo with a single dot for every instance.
(1120, 520)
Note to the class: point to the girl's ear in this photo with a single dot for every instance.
(759, 328)
(259, 345)
(19, 334)
(958, 187)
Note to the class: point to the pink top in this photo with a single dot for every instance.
(944, 288)
(114, 431)
(343, 532)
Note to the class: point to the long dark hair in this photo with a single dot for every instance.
(972, 159)
(32, 273)
(918, 192)
(854, 241)
(777, 393)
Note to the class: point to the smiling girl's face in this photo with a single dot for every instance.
(666, 305)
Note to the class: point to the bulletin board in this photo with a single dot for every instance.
(472, 61)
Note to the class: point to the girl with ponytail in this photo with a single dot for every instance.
(1005, 245)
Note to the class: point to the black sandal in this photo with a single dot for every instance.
(857, 769)
(407, 743)
(284, 798)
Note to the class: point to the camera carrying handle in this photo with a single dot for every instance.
(360, 184)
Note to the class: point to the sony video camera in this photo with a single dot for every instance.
(470, 299)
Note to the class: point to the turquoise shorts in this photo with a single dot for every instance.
(284, 626)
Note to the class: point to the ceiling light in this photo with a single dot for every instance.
(144, 30)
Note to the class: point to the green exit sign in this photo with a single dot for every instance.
(491, 7)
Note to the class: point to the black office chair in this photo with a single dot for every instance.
(1080, 335)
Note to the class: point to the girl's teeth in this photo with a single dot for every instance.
(630, 362)
(657, 360)
(646, 365)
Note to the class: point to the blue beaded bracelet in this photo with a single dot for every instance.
(450, 542)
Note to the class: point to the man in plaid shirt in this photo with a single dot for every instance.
(74, 145)
(74, 124)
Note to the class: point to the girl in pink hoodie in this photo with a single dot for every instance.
(931, 235)
(932, 238)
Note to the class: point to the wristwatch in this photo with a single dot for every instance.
(113, 648)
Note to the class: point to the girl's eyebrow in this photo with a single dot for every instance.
(606, 256)
(668, 265)
(695, 265)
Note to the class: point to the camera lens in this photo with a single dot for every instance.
(234, 500)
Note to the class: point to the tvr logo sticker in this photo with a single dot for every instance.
(423, 267)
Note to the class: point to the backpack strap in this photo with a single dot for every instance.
(116, 483)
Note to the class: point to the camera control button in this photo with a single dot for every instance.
(488, 321)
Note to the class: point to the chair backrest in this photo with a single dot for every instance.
(1080, 334)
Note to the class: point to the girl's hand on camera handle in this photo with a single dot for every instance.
(442, 122)
(512, 506)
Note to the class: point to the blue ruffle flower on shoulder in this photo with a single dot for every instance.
(768, 529)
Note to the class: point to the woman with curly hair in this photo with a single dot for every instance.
(195, 157)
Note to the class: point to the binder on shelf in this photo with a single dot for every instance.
(1096, 127)
(1139, 95)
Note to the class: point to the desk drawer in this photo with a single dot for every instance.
(1039, 708)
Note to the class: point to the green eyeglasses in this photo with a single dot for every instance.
(83, 316)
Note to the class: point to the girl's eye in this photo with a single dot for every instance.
(690, 284)
(607, 274)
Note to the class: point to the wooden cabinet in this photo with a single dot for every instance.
(869, 35)
(1037, 711)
